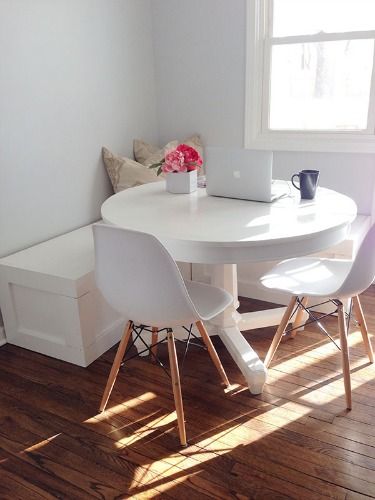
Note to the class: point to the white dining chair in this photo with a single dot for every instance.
(139, 279)
(335, 279)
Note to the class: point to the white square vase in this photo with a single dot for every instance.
(182, 182)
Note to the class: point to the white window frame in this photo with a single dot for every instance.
(258, 64)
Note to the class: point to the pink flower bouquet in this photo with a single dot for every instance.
(182, 159)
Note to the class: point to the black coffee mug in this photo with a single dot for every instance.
(308, 182)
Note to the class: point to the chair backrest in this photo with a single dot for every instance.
(362, 272)
(139, 278)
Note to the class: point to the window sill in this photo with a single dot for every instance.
(330, 143)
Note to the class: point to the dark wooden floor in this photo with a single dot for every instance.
(294, 441)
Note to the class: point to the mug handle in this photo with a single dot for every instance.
(292, 179)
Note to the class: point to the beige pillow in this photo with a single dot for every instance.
(126, 173)
(147, 154)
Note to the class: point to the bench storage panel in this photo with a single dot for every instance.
(50, 303)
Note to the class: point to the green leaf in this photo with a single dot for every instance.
(156, 165)
(159, 171)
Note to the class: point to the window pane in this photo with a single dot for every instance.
(321, 86)
(306, 17)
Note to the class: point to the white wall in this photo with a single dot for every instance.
(349, 173)
(200, 60)
(74, 75)
(200, 56)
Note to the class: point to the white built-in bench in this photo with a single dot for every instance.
(50, 303)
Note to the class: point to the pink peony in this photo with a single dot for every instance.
(191, 157)
(174, 162)
(182, 159)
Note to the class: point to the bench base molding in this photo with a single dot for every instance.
(50, 303)
(77, 330)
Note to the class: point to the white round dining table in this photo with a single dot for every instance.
(198, 228)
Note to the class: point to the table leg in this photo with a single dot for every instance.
(228, 325)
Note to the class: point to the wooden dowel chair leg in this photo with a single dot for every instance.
(363, 326)
(345, 355)
(154, 339)
(176, 384)
(212, 352)
(299, 316)
(279, 332)
(116, 365)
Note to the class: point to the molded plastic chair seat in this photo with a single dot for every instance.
(139, 279)
(336, 279)
(208, 300)
(308, 276)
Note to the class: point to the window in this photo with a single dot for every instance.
(310, 74)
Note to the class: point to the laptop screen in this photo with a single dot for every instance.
(239, 173)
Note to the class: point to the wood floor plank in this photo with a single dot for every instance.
(88, 446)
(293, 441)
(224, 414)
(41, 477)
(14, 487)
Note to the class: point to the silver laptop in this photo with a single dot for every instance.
(241, 173)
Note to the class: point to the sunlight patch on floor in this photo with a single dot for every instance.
(283, 403)
(316, 353)
(120, 408)
(41, 444)
(153, 427)
(162, 484)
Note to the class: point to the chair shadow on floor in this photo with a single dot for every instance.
(235, 435)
